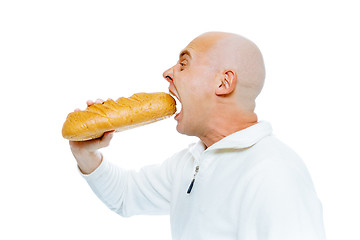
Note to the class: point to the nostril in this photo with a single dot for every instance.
(168, 78)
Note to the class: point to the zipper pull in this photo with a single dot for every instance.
(193, 180)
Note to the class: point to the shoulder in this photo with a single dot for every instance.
(276, 165)
(271, 146)
(270, 152)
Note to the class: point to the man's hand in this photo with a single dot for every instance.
(86, 152)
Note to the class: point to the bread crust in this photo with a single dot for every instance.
(119, 115)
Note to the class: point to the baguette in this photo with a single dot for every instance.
(119, 115)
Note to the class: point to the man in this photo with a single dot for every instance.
(238, 181)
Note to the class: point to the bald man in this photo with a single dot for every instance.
(238, 181)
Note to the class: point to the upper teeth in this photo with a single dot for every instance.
(176, 94)
(177, 100)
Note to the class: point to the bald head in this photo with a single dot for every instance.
(228, 51)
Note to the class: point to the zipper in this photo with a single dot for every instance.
(193, 180)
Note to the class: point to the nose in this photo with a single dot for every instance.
(168, 74)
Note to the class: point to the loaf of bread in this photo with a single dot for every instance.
(119, 115)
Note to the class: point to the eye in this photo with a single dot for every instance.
(182, 64)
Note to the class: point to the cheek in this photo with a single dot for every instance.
(195, 86)
(194, 106)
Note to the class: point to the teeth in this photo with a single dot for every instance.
(175, 94)
(177, 99)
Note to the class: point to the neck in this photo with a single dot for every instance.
(222, 127)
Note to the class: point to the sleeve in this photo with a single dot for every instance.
(130, 193)
(285, 206)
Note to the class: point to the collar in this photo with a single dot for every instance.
(242, 139)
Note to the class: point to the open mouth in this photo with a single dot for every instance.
(178, 103)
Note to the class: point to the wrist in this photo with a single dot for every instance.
(89, 161)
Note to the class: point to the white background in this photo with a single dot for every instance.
(55, 55)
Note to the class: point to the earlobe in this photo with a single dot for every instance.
(227, 83)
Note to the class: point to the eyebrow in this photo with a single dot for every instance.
(184, 52)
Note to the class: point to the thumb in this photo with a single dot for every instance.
(104, 141)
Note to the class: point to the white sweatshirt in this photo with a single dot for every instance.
(249, 186)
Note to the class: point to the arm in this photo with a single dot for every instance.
(128, 193)
(125, 192)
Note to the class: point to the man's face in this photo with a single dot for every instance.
(191, 81)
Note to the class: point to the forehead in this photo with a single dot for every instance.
(202, 44)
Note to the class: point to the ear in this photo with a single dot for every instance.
(227, 83)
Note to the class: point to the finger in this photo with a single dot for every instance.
(77, 109)
(99, 100)
(104, 141)
(108, 136)
(94, 144)
(89, 102)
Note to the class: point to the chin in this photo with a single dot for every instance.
(181, 129)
